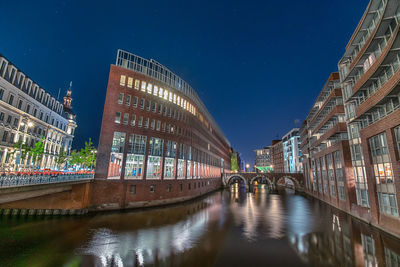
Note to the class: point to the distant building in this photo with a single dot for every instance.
(277, 156)
(263, 160)
(27, 113)
(292, 152)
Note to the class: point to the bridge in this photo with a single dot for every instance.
(271, 179)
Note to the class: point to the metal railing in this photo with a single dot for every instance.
(14, 180)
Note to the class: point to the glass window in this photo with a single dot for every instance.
(135, 156)
(128, 100)
(142, 103)
(154, 157)
(135, 100)
(137, 84)
(117, 117)
(158, 125)
(155, 90)
(122, 80)
(149, 88)
(116, 157)
(130, 82)
(143, 86)
(133, 120)
(397, 138)
(140, 121)
(126, 119)
(120, 98)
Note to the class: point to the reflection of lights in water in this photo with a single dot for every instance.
(275, 216)
(147, 244)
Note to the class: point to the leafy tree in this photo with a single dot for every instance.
(234, 162)
(62, 157)
(37, 151)
(86, 157)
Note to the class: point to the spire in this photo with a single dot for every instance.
(67, 103)
(68, 98)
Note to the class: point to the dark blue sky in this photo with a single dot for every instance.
(257, 65)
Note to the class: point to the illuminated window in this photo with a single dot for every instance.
(155, 92)
(117, 117)
(174, 98)
(181, 103)
(149, 88)
(143, 86)
(178, 100)
(170, 96)
(161, 92)
(184, 104)
(120, 98)
(154, 158)
(130, 82)
(122, 80)
(137, 84)
(383, 174)
(166, 94)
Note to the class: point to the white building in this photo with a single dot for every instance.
(27, 113)
(292, 152)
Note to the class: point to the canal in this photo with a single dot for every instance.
(225, 228)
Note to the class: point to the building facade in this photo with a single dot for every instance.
(292, 152)
(277, 156)
(263, 160)
(369, 75)
(157, 137)
(27, 114)
(326, 153)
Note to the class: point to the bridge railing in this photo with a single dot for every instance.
(13, 180)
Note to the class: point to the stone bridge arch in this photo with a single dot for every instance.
(269, 182)
(294, 180)
(228, 179)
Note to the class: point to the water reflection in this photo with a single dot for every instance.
(228, 228)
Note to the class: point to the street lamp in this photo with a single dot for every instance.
(247, 167)
(94, 151)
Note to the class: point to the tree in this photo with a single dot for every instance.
(62, 157)
(37, 151)
(86, 157)
(234, 162)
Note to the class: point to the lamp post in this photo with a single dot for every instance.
(247, 167)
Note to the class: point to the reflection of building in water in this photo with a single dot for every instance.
(149, 246)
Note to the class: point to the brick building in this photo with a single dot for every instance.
(369, 75)
(157, 140)
(277, 156)
(325, 146)
(365, 134)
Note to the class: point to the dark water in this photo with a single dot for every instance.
(226, 228)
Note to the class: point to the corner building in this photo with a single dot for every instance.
(158, 143)
(370, 75)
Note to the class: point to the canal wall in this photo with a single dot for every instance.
(101, 195)
(129, 194)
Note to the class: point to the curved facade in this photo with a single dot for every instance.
(157, 138)
(370, 76)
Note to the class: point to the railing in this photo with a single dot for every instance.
(15, 180)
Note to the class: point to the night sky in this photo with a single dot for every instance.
(257, 65)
